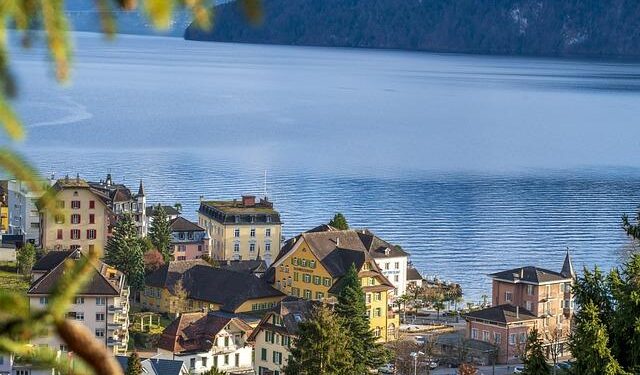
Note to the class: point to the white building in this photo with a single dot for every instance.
(24, 218)
(103, 306)
(206, 340)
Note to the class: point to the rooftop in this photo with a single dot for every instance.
(529, 274)
(504, 314)
(180, 224)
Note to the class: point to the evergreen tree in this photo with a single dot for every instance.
(589, 345)
(160, 232)
(124, 251)
(351, 307)
(25, 258)
(134, 367)
(535, 362)
(339, 222)
(321, 347)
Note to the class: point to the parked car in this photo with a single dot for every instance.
(421, 340)
(518, 370)
(389, 368)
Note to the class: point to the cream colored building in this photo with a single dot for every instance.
(242, 230)
(102, 307)
(80, 219)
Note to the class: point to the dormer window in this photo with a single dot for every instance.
(387, 251)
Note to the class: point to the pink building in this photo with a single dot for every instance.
(522, 299)
(188, 240)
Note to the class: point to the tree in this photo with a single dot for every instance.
(178, 207)
(214, 371)
(321, 347)
(134, 367)
(467, 369)
(589, 345)
(351, 307)
(152, 260)
(180, 297)
(624, 334)
(339, 222)
(160, 232)
(124, 251)
(534, 360)
(25, 258)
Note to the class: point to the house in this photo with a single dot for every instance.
(188, 240)
(81, 218)
(414, 278)
(522, 299)
(156, 366)
(24, 218)
(242, 230)
(273, 337)
(205, 288)
(102, 306)
(256, 267)
(312, 264)
(206, 340)
(120, 200)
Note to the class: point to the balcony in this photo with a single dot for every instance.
(115, 341)
(223, 349)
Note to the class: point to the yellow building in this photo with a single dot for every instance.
(81, 218)
(4, 218)
(193, 285)
(242, 230)
(311, 266)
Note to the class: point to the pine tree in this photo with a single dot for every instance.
(321, 347)
(589, 345)
(351, 307)
(124, 251)
(134, 367)
(339, 222)
(535, 362)
(160, 232)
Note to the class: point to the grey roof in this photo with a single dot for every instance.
(202, 282)
(379, 248)
(155, 366)
(413, 274)
(529, 274)
(247, 266)
(292, 310)
(180, 224)
(504, 314)
(567, 267)
(235, 212)
(50, 260)
(170, 210)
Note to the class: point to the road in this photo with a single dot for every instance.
(485, 370)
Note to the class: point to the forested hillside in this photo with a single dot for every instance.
(523, 27)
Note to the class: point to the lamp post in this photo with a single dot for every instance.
(415, 361)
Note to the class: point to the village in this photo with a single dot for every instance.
(227, 293)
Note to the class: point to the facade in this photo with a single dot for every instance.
(273, 337)
(24, 218)
(391, 260)
(242, 230)
(188, 240)
(81, 218)
(120, 200)
(103, 306)
(524, 298)
(312, 264)
(414, 278)
(206, 340)
(171, 212)
(205, 288)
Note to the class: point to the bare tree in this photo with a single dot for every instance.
(555, 339)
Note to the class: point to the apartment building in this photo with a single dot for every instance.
(208, 340)
(24, 218)
(121, 200)
(522, 299)
(188, 240)
(81, 218)
(312, 264)
(102, 306)
(243, 229)
(274, 336)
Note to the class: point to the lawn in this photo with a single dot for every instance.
(10, 280)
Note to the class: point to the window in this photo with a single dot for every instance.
(263, 354)
(192, 363)
(44, 300)
(92, 219)
(528, 305)
(286, 341)
(79, 315)
(99, 317)
(75, 219)
(237, 360)
(101, 301)
(236, 233)
(267, 232)
(474, 333)
(295, 276)
(99, 332)
(397, 265)
(236, 247)
(75, 234)
(63, 348)
(226, 359)
(530, 290)
(204, 361)
(368, 298)
(312, 263)
(252, 248)
(252, 232)
(326, 281)
(277, 358)
(307, 294)
(377, 312)
(294, 261)
(485, 336)
(386, 266)
(319, 295)
(79, 301)
(512, 339)
(226, 341)
(267, 247)
(59, 204)
(396, 278)
(91, 234)
(306, 277)
(59, 218)
(317, 280)
(75, 205)
(508, 296)
(59, 236)
(497, 338)
(92, 204)
(303, 262)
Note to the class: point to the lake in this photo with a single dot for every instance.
(473, 164)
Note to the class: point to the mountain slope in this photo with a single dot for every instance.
(527, 27)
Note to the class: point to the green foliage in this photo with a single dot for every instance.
(534, 360)
(322, 346)
(625, 327)
(160, 232)
(589, 345)
(123, 251)
(351, 307)
(214, 371)
(26, 257)
(339, 222)
(134, 367)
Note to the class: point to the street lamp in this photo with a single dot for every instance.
(415, 361)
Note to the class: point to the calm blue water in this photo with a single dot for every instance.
(473, 164)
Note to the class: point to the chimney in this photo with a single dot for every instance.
(517, 312)
(248, 200)
(522, 273)
(78, 177)
(337, 241)
(108, 181)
